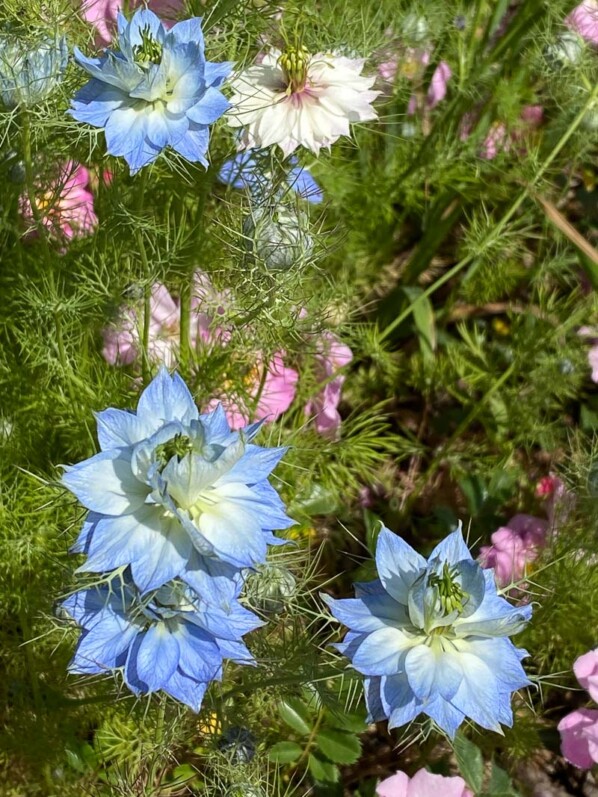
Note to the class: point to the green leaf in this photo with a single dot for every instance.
(500, 783)
(425, 322)
(470, 761)
(321, 770)
(342, 747)
(354, 722)
(285, 752)
(296, 715)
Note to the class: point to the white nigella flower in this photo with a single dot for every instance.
(296, 99)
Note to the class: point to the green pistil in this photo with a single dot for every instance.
(178, 447)
(149, 51)
(294, 64)
(451, 595)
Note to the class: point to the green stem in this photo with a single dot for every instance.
(186, 289)
(43, 238)
(310, 739)
(500, 225)
(147, 290)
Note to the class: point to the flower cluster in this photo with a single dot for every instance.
(427, 634)
(182, 505)
(579, 729)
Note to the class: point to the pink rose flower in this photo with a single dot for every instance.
(332, 355)
(586, 672)
(579, 737)
(102, 14)
(277, 393)
(584, 21)
(422, 784)
(513, 548)
(66, 206)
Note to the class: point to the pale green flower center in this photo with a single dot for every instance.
(179, 446)
(294, 63)
(450, 593)
(149, 51)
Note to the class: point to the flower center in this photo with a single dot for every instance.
(179, 446)
(149, 51)
(450, 593)
(294, 63)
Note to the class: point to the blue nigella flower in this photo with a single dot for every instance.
(250, 171)
(156, 91)
(169, 640)
(432, 637)
(29, 72)
(175, 493)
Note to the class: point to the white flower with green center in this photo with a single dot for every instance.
(297, 99)
(432, 637)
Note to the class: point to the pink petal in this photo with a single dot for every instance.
(584, 20)
(586, 672)
(395, 786)
(425, 784)
(579, 737)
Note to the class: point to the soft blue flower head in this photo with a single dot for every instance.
(175, 493)
(167, 640)
(432, 637)
(157, 90)
(28, 73)
(250, 170)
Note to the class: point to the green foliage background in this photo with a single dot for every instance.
(461, 301)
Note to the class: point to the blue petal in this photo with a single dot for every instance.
(87, 606)
(452, 549)
(188, 31)
(120, 428)
(116, 541)
(478, 696)
(255, 465)
(200, 656)
(445, 715)
(103, 647)
(210, 107)
(216, 427)
(494, 617)
(164, 558)
(166, 399)
(348, 647)
(240, 171)
(229, 625)
(126, 136)
(186, 689)
(368, 613)
(105, 483)
(95, 102)
(398, 700)
(382, 652)
(216, 73)
(110, 69)
(218, 583)
(235, 650)
(152, 659)
(194, 146)
(142, 20)
(503, 659)
(371, 688)
(304, 184)
(398, 564)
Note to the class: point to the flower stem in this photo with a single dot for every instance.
(43, 238)
(147, 289)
